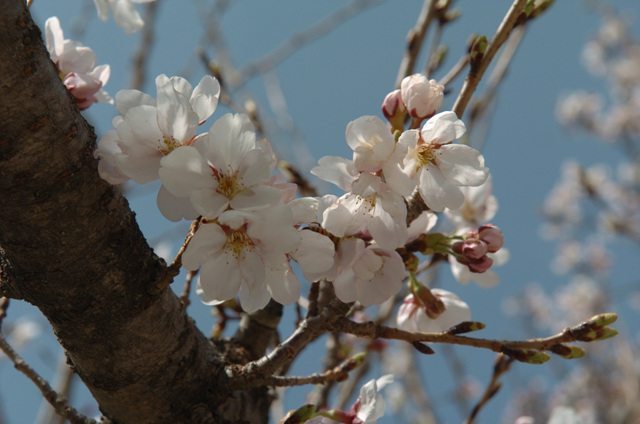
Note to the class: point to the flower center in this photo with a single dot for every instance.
(425, 154)
(237, 241)
(228, 185)
(168, 145)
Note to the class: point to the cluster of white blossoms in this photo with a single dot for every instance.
(251, 225)
(77, 66)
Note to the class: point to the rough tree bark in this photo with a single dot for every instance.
(70, 245)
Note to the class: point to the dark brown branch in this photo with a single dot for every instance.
(255, 373)
(71, 246)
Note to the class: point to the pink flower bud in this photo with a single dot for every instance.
(492, 236)
(394, 110)
(421, 97)
(480, 265)
(474, 249)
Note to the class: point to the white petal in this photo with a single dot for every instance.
(336, 170)
(315, 255)
(252, 300)
(437, 192)
(208, 202)
(127, 99)
(54, 37)
(462, 164)
(283, 285)
(230, 138)
(175, 117)
(204, 98)
(220, 277)
(256, 197)
(107, 151)
(443, 128)
(103, 9)
(174, 208)
(184, 170)
(206, 243)
(126, 16)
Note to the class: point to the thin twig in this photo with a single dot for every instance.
(174, 268)
(339, 373)
(184, 297)
(62, 385)
(501, 366)
(373, 330)
(256, 372)
(476, 72)
(58, 402)
(455, 71)
(141, 58)
(414, 40)
(4, 305)
(294, 43)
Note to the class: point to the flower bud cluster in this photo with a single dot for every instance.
(473, 249)
(418, 97)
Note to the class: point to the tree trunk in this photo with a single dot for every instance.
(69, 244)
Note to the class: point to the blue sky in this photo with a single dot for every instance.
(345, 75)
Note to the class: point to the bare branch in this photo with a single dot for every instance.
(141, 58)
(58, 402)
(476, 72)
(501, 366)
(174, 268)
(339, 373)
(415, 39)
(293, 44)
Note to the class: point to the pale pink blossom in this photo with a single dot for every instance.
(124, 13)
(479, 206)
(373, 206)
(413, 317)
(147, 130)
(439, 167)
(368, 274)
(77, 66)
(245, 254)
(371, 141)
(422, 97)
(371, 403)
(225, 168)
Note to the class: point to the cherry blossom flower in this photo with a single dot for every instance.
(372, 206)
(124, 13)
(225, 168)
(369, 407)
(479, 206)
(368, 274)
(371, 142)
(422, 97)
(245, 253)
(77, 66)
(147, 130)
(439, 167)
(412, 315)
